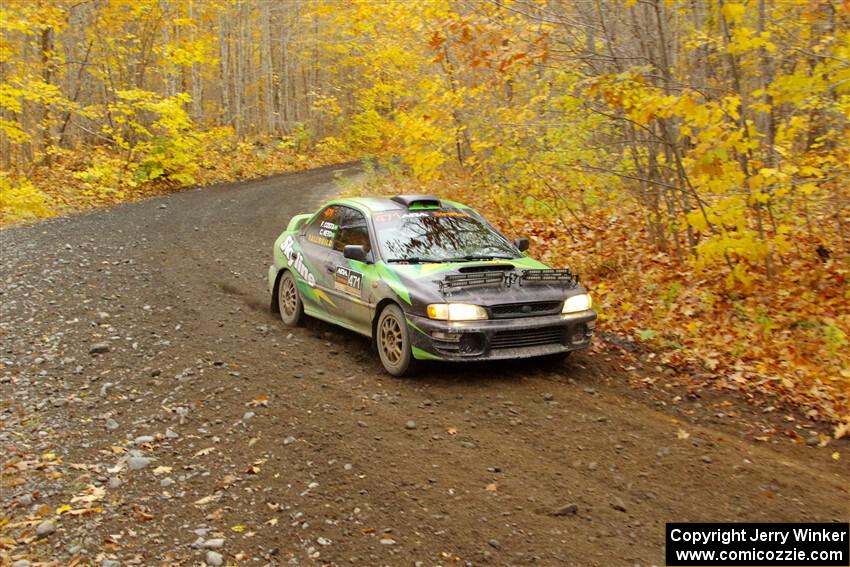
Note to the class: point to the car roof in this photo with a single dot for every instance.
(380, 204)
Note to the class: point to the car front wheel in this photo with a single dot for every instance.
(291, 308)
(393, 342)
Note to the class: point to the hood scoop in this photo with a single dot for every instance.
(486, 268)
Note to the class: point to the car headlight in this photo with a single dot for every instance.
(456, 312)
(577, 303)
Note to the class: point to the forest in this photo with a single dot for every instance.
(689, 158)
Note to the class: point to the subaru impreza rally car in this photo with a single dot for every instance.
(426, 279)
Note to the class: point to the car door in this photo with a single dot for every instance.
(316, 242)
(348, 281)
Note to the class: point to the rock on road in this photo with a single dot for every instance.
(183, 423)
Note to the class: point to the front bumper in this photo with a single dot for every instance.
(496, 339)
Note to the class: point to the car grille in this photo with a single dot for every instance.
(527, 338)
(510, 310)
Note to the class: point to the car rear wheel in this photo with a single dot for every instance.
(291, 308)
(393, 342)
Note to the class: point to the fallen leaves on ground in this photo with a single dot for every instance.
(259, 401)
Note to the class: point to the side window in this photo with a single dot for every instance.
(324, 228)
(352, 230)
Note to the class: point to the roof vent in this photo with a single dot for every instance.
(417, 201)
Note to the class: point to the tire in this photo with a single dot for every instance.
(288, 300)
(392, 338)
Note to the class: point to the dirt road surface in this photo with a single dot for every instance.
(151, 398)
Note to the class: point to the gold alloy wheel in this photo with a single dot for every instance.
(288, 294)
(391, 339)
(288, 300)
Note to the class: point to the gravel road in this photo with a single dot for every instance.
(155, 412)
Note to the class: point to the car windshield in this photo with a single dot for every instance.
(438, 236)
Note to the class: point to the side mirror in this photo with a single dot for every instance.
(355, 252)
(521, 243)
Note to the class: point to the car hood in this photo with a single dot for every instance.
(419, 284)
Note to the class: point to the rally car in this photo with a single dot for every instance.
(426, 279)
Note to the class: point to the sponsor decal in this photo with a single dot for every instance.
(322, 296)
(321, 241)
(324, 234)
(295, 259)
(420, 354)
(390, 216)
(327, 230)
(386, 216)
(348, 281)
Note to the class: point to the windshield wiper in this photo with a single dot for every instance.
(416, 260)
(473, 257)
